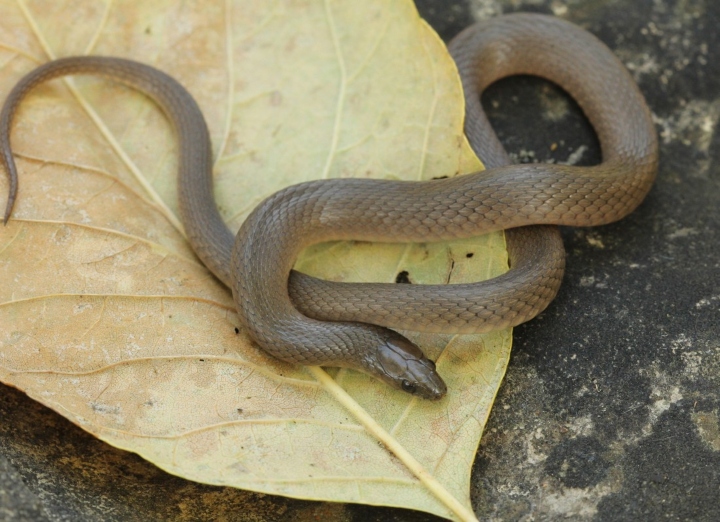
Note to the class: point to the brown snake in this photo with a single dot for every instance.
(345, 324)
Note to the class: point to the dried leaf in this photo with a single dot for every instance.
(107, 317)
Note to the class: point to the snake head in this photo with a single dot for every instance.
(403, 365)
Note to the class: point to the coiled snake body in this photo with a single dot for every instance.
(347, 324)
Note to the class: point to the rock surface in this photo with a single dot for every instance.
(610, 407)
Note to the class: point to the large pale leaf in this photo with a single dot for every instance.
(107, 317)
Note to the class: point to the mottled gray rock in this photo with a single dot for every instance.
(609, 410)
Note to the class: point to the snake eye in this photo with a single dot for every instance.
(408, 386)
(432, 364)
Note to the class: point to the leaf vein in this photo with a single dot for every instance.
(335, 137)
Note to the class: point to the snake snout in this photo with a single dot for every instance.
(431, 387)
(403, 365)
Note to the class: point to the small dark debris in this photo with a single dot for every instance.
(403, 277)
